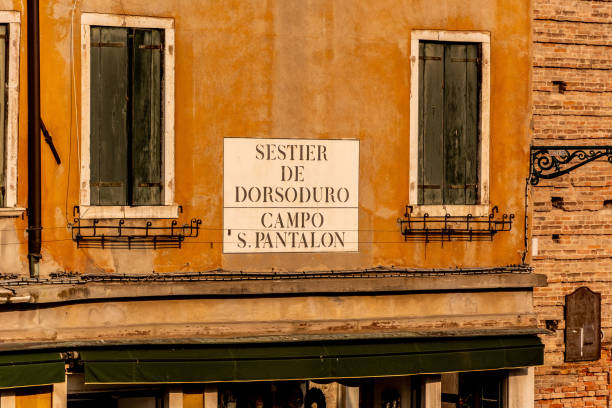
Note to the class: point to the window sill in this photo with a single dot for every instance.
(479, 210)
(11, 212)
(124, 211)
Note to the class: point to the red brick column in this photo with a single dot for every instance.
(572, 215)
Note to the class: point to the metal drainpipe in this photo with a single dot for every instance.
(34, 172)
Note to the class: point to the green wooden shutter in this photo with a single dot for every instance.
(460, 123)
(146, 148)
(449, 114)
(472, 122)
(109, 103)
(3, 98)
(431, 142)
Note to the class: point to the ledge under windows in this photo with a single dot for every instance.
(124, 211)
(479, 210)
(11, 212)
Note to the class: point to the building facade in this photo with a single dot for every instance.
(571, 213)
(271, 203)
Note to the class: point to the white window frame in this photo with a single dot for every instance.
(484, 38)
(13, 20)
(520, 388)
(168, 209)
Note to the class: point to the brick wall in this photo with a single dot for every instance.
(573, 44)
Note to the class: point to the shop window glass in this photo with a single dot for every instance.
(473, 390)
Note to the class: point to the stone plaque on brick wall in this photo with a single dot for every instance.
(582, 325)
(290, 195)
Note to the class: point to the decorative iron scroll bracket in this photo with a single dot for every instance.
(548, 162)
(97, 234)
(454, 228)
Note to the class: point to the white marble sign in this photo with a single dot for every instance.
(290, 195)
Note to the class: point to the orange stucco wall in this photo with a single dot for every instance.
(193, 399)
(40, 397)
(283, 69)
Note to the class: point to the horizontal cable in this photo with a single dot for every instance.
(571, 43)
(578, 68)
(571, 90)
(571, 114)
(559, 20)
(209, 242)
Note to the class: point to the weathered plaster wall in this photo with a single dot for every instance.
(224, 319)
(265, 68)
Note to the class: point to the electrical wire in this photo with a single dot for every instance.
(209, 242)
(25, 242)
(219, 229)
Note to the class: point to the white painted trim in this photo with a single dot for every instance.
(59, 396)
(173, 398)
(11, 211)
(485, 107)
(85, 176)
(7, 399)
(211, 397)
(348, 397)
(122, 20)
(520, 388)
(451, 36)
(168, 209)
(124, 211)
(431, 391)
(168, 120)
(12, 116)
(442, 210)
(9, 16)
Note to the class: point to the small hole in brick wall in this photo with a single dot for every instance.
(561, 86)
(556, 238)
(557, 202)
(608, 204)
(552, 325)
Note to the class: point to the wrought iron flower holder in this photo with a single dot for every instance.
(454, 228)
(107, 234)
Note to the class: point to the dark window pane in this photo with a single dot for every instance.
(482, 389)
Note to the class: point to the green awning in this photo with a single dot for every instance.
(27, 369)
(308, 360)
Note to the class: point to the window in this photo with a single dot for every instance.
(483, 389)
(9, 98)
(127, 164)
(449, 136)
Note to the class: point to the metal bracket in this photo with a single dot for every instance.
(49, 141)
(548, 162)
(453, 228)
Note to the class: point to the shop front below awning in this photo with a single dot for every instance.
(307, 360)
